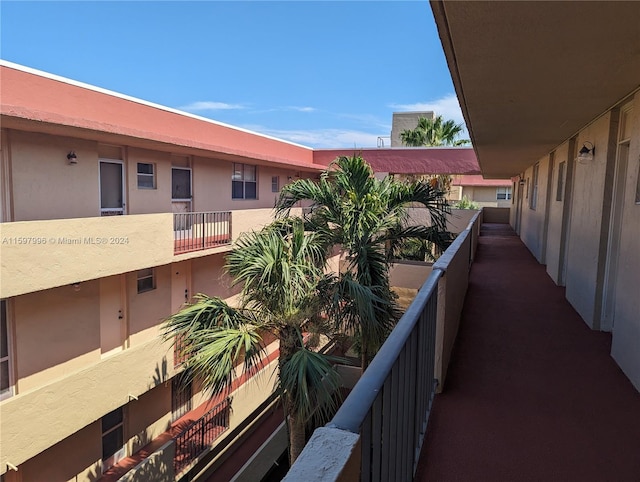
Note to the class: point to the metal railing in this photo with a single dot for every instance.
(200, 434)
(197, 231)
(391, 403)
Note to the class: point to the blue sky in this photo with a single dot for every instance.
(323, 74)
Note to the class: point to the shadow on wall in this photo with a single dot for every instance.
(161, 373)
(158, 467)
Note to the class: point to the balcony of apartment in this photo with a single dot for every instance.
(528, 391)
(39, 255)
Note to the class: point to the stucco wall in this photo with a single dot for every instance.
(45, 185)
(533, 220)
(34, 421)
(625, 347)
(57, 332)
(148, 309)
(586, 217)
(145, 201)
(46, 254)
(409, 274)
(75, 458)
(554, 228)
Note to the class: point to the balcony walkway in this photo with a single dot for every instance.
(532, 393)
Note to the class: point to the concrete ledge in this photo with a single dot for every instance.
(331, 455)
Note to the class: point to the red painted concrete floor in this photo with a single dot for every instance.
(532, 393)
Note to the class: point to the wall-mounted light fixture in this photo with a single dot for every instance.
(586, 154)
(72, 158)
(521, 182)
(76, 287)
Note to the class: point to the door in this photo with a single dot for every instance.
(613, 245)
(111, 188)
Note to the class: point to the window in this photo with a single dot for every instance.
(275, 184)
(180, 183)
(560, 185)
(533, 201)
(146, 176)
(244, 184)
(503, 193)
(112, 437)
(5, 370)
(146, 280)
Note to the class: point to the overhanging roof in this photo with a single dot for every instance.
(409, 160)
(529, 75)
(41, 102)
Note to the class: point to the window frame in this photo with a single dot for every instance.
(181, 199)
(120, 453)
(7, 359)
(151, 175)
(560, 182)
(151, 276)
(275, 183)
(242, 179)
(533, 200)
(507, 193)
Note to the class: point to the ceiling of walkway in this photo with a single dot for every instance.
(529, 75)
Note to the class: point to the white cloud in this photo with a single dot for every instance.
(301, 109)
(448, 107)
(204, 105)
(321, 138)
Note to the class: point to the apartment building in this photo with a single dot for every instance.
(114, 213)
(569, 131)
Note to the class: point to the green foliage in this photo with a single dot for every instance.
(280, 269)
(466, 203)
(434, 132)
(367, 218)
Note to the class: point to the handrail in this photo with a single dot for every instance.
(194, 231)
(357, 405)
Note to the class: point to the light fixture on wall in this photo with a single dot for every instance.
(72, 158)
(586, 154)
(521, 182)
(76, 287)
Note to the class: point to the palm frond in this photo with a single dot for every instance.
(309, 384)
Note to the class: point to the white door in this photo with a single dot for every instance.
(613, 245)
(111, 188)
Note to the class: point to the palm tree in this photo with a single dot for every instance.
(367, 218)
(434, 132)
(280, 268)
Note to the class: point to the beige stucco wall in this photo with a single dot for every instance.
(457, 220)
(452, 289)
(46, 186)
(74, 459)
(148, 309)
(149, 416)
(208, 277)
(157, 468)
(56, 332)
(146, 201)
(212, 186)
(62, 252)
(35, 420)
(533, 220)
(409, 274)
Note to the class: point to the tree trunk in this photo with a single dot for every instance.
(297, 437)
(290, 343)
